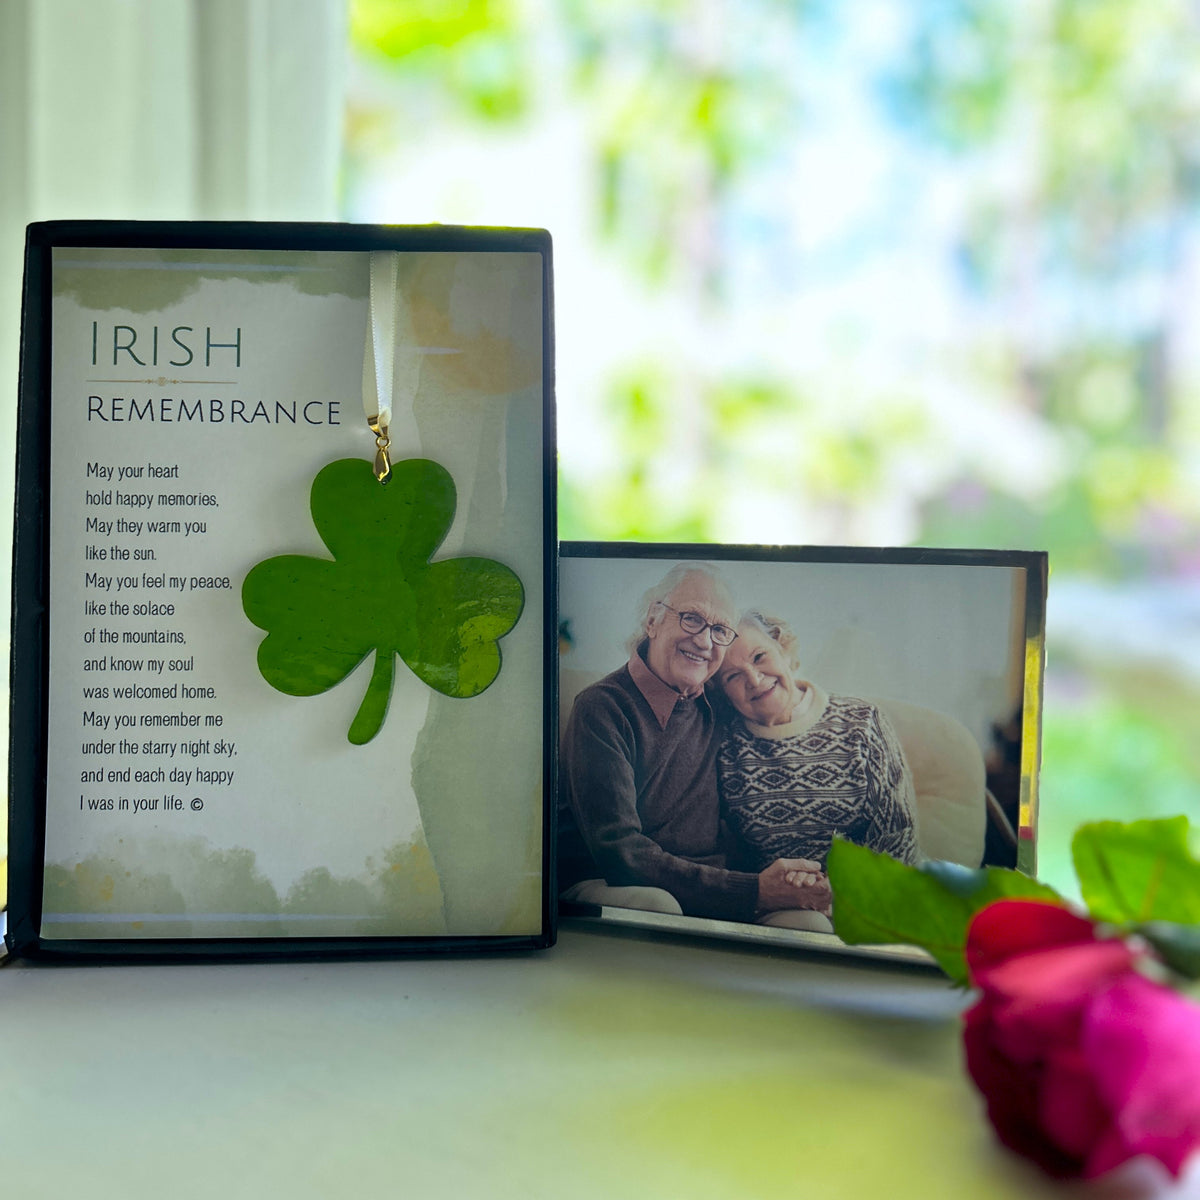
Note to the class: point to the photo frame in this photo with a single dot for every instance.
(912, 724)
(284, 594)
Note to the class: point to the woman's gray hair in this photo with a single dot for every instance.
(665, 586)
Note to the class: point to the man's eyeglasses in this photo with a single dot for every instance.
(693, 622)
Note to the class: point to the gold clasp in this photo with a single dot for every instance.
(383, 464)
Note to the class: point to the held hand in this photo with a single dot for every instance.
(801, 866)
(794, 883)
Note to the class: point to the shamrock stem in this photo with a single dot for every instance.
(369, 718)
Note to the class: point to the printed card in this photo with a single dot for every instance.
(286, 491)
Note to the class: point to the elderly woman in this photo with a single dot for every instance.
(799, 766)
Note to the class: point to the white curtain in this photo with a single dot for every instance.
(157, 110)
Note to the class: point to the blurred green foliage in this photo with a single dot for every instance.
(1126, 751)
(1067, 135)
(1092, 105)
(473, 49)
(1114, 746)
(1103, 90)
(739, 441)
(682, 114)
(1073, 124)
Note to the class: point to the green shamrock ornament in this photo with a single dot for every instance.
(380, 592)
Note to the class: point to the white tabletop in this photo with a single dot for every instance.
(618, 1064)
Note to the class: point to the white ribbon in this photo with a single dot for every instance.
(392, 359)
(379, 361)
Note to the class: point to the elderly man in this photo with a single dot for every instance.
(640, 814)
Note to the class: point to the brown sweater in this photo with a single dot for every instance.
(638, 796)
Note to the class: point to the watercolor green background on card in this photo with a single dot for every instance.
(150, 280)
(206, 891)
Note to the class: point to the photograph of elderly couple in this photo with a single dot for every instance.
(722, 721)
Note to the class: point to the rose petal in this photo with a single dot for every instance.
(1064, 974)
(1069, 1108)
(1109, 1152)
(1038, 998)
(1084, 1063)
(1024, 1031)
(1142, 1041)
(1011, 1092)
(1007, 928)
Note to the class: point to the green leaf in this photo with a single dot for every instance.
(880, 901)
(1177, 945)
(1138, 871)
(381, 593)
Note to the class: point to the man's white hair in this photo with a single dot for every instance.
(670, 581)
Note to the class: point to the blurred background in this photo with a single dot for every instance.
(879, 273)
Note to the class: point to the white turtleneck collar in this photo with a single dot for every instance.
(804, 716)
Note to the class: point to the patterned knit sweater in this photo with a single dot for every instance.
(836, 768)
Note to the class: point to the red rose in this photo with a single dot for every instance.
(1083, 1061)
